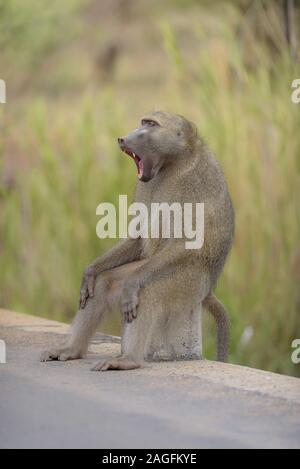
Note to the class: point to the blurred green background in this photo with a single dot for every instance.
(80, 73)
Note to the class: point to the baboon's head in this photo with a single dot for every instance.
(161, 140)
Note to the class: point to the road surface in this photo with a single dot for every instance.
(197, 404)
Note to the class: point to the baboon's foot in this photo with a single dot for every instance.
(118, 363)
(63, 354)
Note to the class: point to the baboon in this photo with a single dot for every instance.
(160, 285)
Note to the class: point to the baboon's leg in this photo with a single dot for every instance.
(215, 307)
(107, 292)
(168, 324)
(83, 327)
(118, 363)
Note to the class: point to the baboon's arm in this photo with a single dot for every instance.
(163, 262)
(127, 250)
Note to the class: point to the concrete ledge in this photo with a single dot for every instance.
(225, 397)
(238, 377)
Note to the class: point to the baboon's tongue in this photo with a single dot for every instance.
(139, 164)
(140, 169)
(137, 160)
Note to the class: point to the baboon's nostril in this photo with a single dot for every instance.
(120, 140)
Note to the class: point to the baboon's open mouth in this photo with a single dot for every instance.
(137, 160)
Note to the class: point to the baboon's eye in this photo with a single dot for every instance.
(149, 122)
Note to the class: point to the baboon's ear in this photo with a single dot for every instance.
(193, 131)
(189, 129)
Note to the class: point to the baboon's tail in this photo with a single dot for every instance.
(215, 307)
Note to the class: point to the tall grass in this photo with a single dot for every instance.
(243, 109)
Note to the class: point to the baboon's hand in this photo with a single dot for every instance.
(87, 286)
(130, 301)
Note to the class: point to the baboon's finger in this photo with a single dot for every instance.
(81, 302)
(83, 297)
(91, 286)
